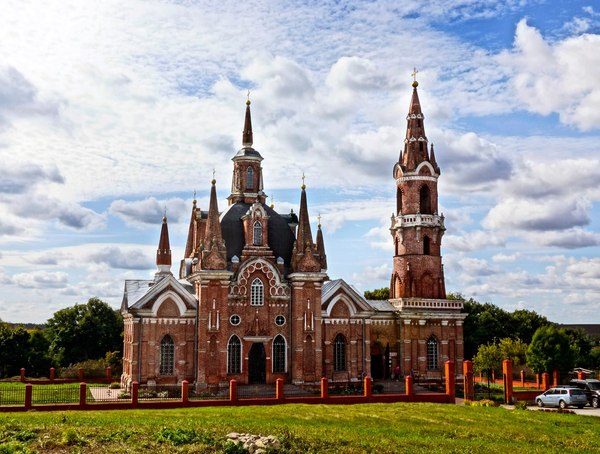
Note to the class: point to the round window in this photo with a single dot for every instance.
(235, 320)
(280, 320)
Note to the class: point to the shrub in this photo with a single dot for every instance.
(115, 385)
(520, 405)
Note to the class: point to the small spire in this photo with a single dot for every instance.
(321, 245)
(214, 254)
(163, 253)
(247, 134)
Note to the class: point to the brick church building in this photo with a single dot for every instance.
(253, 300)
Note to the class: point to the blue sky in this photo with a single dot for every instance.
(110, 111)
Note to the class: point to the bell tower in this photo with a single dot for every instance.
(417, 227)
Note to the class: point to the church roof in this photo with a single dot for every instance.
(281, 238)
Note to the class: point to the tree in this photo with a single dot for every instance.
(38, 357)
(378, 294)
(485, 324)
(84, 331)
(13, 349)
(526, 323)
(513, 349)
(488, 359)
(550, 350)
(582, 344)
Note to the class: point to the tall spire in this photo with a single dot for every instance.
(163, 253)
(214, 253)
(247, 134)
(321, 245)
(415, 144)
(304, 255)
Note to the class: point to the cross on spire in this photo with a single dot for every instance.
(248, 98)
(414, 75)
(303, 177)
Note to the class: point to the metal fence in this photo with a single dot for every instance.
(12, 395)
(255, 391)
(159, 392)
(203, 391)
(104, 393)
(55, 394)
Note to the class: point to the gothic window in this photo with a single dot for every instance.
(398, 201)
(425, 200)
(432, 354)
(249, 178)
(257, 293)
(339, 353)
(257, 234)
(279, 355)
(167, 356)
(426, 246)
(234, 355)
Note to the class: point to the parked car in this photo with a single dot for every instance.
(562, 397)
(591, 388)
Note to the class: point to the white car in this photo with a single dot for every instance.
(562, 397)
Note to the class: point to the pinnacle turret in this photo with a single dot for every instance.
(415, 143)
(163, 253)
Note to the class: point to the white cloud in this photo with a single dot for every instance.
(41, 279)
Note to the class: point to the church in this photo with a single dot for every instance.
(253, 300)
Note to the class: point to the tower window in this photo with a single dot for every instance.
(257, 293)
(432, 354)
(279, 354)
(339, 353)
(425, 200)
(249, 178)
(167, 356)
(426, 246)
(257, 234)
(234, 355)
(398, 201)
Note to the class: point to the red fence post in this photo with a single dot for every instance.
(537, 381)
(279, 389)
(410, 390)
(28, 395)
(522, 378)
(82, 395)
(108, 374)
(580, 375)
(80, 374)
(324, 388)
(507, 380)
(134, 393)
(556, 377)
(368, 386)
(468, 380)
(52, 374)
(450, 380)
(545, 381)
(22, 375)
(233, 394)
(185, 387)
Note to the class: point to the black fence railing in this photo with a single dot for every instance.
(203, 391)
(159, 392)
(12, 394)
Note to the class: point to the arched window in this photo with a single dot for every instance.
(398, 201)
(279, 355)
(339, 353)
(234, 355)
(425, 200)
(257, 293)
(257, 230)
(249, 178)
(432, 354)
(167, 356)
(426, 246)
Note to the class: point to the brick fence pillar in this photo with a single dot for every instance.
(368, 386)
(556, 378)
(134, 393)
(507, 381)
(279, 389)
(537, 381)
(324, 388)
(108, 374)
(80, 371)
(580, 375)
(82, 395)
(233, 394)
(468, 384)
(28, 395)
(450, 380)
(410, 390)
(52, 374)
(522, 378)
(22, 375)
(185, 389)
(545, 381)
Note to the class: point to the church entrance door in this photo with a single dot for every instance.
(257, 364)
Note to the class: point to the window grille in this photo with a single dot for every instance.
(432, 354)
(279, 355)
(167, 356)
(234, 355)
(257, 293)
(249, 178)
(339, 353)
(257, 240)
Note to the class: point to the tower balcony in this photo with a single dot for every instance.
(426, 304)
(418, 220)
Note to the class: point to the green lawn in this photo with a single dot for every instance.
(380, 428)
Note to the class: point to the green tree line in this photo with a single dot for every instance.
(84, 332)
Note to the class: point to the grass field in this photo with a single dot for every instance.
(378, 428)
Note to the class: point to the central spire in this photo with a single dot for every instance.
(415, 143)
(247, 134)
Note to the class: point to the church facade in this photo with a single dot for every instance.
(253, 300)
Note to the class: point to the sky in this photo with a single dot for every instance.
(111, 112)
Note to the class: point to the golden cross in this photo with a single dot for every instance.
(194, 194)
(214, 173)
(248, 96)
(414, 74)
(303, 178)
(319, 219)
